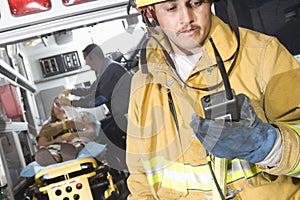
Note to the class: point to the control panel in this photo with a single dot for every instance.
(72, 189)
(68, 180)
(59, 64)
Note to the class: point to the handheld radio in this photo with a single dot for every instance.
(223, 104)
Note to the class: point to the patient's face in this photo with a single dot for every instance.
(60, 113)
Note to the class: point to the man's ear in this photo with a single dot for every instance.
(151, 13)
(93, 56)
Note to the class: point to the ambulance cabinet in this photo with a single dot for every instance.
(14, 154)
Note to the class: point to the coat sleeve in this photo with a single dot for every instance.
(102, 88)
(282, 105)
(137, 181)
(87, 95)
(83, 91)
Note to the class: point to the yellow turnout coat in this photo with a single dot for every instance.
(169, 163)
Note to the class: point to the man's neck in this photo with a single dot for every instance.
(188, 52)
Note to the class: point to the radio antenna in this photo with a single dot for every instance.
(229, 94)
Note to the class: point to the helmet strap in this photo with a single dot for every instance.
(149, 26)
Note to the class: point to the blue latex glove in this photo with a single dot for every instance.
(248, 139)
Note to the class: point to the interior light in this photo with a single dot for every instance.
(23, 7)
(33, 42)
(73, 2)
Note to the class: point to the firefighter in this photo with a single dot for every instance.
(173, 150)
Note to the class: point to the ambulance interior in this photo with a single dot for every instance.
(41, 45)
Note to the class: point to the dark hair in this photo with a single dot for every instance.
(95, 48)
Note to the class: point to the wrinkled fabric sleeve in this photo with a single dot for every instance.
(83, 91)
(282, 104)
(87, 95)
(137, 181)
(103, 86)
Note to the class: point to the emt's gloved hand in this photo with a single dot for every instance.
(248, 139)
(67, 92)
(65, 101)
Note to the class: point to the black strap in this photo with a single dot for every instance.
(233, 22)
(65, 131)
(216, 181)
(144, 66)
(172, 109)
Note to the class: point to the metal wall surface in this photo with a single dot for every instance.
(58, 17)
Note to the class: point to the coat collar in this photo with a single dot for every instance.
(224, 39)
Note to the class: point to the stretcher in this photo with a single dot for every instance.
(79, 179)
(95, 174)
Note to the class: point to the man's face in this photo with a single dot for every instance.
(91, 61)
(185, 22)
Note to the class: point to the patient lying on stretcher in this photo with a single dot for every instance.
(63, 137)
